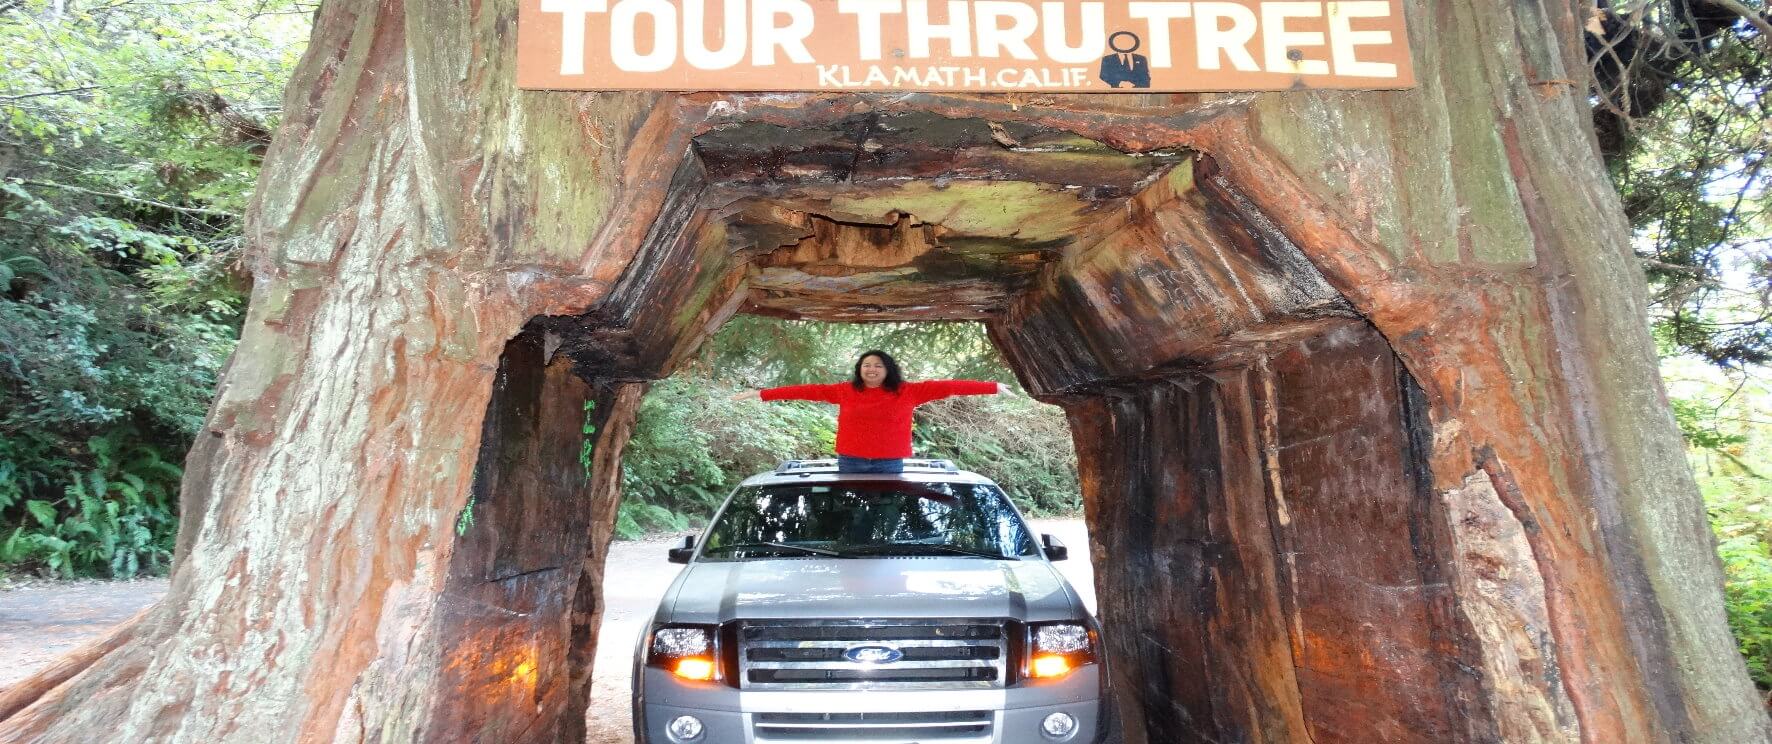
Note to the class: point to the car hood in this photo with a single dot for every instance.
(718, 591)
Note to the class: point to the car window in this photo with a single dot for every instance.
(866, 519)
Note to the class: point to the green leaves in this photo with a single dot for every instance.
(19, 266)
(129, 143)
(43, 511)
(116, 517)
(1021, 443)
(1686, 138)
(1744, 543)
(1729, 442)
(637, 518)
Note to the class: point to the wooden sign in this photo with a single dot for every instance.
(961, 45)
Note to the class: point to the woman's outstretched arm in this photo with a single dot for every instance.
(819, 393)
(929, 390)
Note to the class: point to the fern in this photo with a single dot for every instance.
(20, 265)
(43, 511)
(114, 519)
(16, 548)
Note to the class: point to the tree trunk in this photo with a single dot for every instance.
(395, 250)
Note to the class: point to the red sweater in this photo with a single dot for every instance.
(872, 422)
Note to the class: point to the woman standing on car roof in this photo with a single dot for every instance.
(874, 410)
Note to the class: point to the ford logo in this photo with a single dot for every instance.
(873, 654)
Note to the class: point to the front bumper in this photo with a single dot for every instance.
(730, 716)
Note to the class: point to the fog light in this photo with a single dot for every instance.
(688, 728)
(700, 670)
(1058, 725)
(1050, 665)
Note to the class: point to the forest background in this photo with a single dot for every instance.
(130, 139)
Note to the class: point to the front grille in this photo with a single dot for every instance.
(809, 654)
(965, 726)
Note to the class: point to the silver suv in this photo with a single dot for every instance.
(912, 608)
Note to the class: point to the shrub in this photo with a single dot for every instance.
(691, 445)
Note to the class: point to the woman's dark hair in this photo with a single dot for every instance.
(893, 379)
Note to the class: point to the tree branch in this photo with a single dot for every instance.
(1665, 266)
(81, 89)
(1738, 463)
(135, 199)
(1747, 14)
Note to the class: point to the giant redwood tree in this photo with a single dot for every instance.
(1372, 441)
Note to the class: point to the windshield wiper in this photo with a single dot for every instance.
(942, 547)
(784, 546)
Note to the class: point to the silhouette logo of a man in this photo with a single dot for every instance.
(1123, 66)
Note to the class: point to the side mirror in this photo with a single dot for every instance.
(684, 553)
(1055, 549)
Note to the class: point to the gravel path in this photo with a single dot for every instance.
(42, 620)
(637, 574)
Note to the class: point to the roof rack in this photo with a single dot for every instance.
(931, 464)
(789, 466)
(910, 463)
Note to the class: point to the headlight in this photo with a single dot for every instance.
(1061, 638)
(682, 641)
(1054, 649)
(688, 651)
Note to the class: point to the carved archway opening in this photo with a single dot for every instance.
(1269, 551)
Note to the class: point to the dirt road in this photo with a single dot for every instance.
(41, 621)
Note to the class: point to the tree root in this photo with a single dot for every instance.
(31, 689)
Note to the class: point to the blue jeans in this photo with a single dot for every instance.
(847, 464)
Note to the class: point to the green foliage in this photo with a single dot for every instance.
(1681, 109)
(1730, 446)
(1021, 443)
(691, 445)
(637, 518)
(1743, 524)
(118, 516)
(129, 142)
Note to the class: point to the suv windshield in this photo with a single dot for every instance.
(866, 519)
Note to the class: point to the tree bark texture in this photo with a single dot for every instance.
(1371, 436)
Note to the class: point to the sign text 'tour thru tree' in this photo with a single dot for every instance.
(961, 45)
